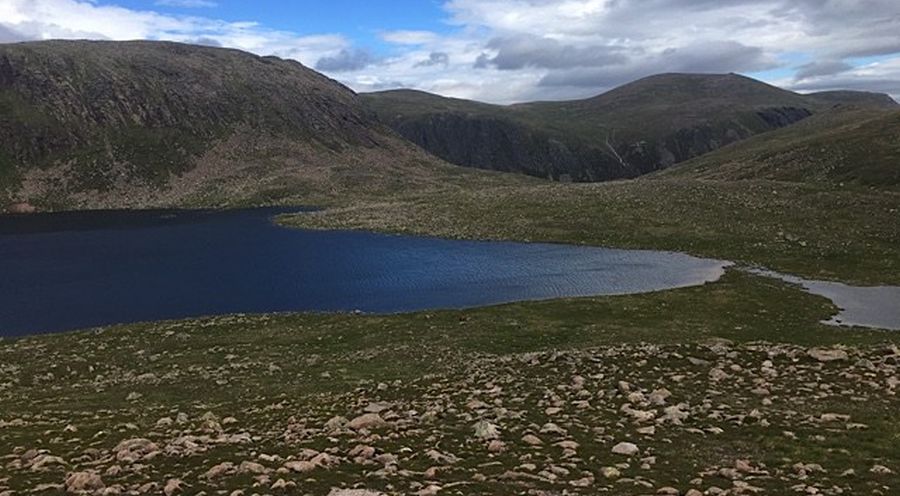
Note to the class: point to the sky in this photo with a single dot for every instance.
(506, 51)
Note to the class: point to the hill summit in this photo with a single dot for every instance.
(146, 123)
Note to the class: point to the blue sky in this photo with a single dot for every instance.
(508, 51)
(359, 20)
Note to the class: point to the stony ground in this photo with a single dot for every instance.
(357, 405)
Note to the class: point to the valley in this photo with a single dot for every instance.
(731, 387)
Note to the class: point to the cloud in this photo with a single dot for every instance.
(564, 44)
(521, 51)
(881, 77)
(205, 41)
(346, 60)
(515, 50)
(435, 58)
(88, 19)
(823, 68)
(717, 57)
(186, 4)
(409, 37)
(8, 35)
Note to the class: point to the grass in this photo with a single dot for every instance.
(849, 234)
(855, 147)
(284, 376)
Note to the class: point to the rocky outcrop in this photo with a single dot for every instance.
(502, 145)
(493, 143)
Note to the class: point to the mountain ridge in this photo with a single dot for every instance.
(851, 147)
(637, 128)
(99, 124)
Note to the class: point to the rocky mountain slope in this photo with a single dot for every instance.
(638, 128)
(132, 124)
(856, 146)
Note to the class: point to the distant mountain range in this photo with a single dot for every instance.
(95, 124)
(641, 127)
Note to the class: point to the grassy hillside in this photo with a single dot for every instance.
(854, 98)
(859, 147)
(137, 124)
(638, 128)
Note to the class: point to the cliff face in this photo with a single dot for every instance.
(121, 123)
(636, 129)
(500, 144)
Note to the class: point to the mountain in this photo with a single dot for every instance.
(855, 98)
(91, 124)
(641, 127)
(857, 146)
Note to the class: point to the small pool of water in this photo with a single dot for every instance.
(84, 269)
(864, 306)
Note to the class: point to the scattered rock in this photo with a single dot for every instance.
(486, 430)
(300, 466)
(368, 421)
(247, 467)
(610, 472)
(827, 355)
(80, 482)
(532, 440)
(354, 492)
(219, 470)
(173, 487)
(626, 449)
(133, 450)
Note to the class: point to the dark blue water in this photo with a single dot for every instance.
(78, 270)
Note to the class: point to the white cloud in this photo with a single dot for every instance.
(77, 19)
(881, 77)
(409, 37)
(187, 4)
(515, 50)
